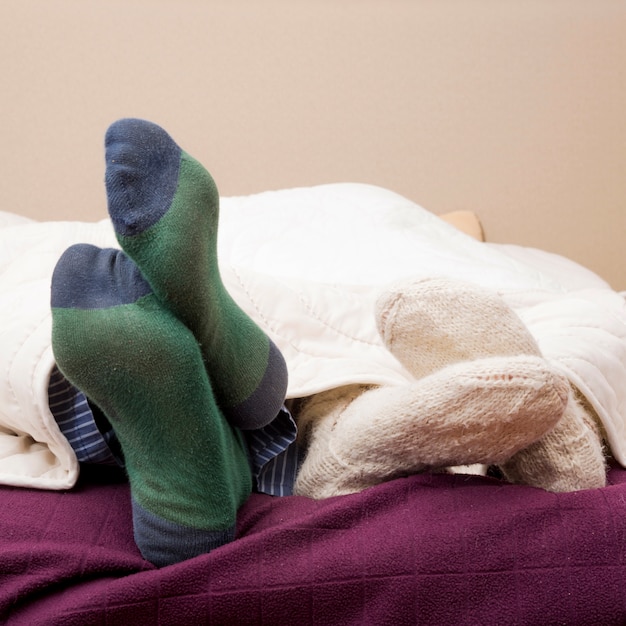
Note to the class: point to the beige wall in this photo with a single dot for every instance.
(515, 109)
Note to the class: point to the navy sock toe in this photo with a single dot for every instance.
(143, 164)
(88, 277)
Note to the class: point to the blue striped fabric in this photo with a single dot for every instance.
(274, 455)
(74, 417)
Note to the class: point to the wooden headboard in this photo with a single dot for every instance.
(514, 110)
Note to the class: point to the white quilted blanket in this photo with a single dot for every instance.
(307, 264)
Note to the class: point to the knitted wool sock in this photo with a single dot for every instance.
(568, 458)
(429, 324)
(164, 206)
(481, 411)
(187, 468)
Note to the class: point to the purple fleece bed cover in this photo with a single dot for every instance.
(427, 549)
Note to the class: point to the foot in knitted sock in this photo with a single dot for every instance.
(570, 457)
(482, 411)
(164, 206)
(429, 324)
(113, 339)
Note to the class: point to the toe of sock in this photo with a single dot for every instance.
(142, 166)
(84, 276)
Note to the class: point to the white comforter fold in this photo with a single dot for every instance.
(307, 264)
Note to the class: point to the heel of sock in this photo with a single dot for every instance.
(163, 542)
(266, 401)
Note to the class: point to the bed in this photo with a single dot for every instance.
(500, 111)
(430, 549)
(422, 549)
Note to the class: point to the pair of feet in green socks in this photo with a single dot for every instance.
(151, 336)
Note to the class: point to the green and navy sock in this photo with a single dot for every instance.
(114, 340)
(165, 209)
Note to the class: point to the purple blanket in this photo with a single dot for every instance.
(429, 549)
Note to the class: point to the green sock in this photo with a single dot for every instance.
(187, 467)
(165, 208)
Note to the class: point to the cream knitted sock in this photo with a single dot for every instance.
(568, 458)
(482, 411)
(428, 324)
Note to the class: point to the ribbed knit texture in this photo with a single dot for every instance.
(428, 324)
(164, 206)
(431, 322)
(483, 394)
(113, 339)
(480, 411)
(570, 457)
